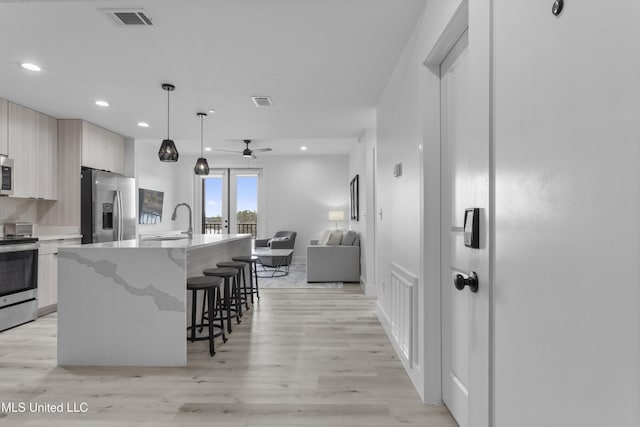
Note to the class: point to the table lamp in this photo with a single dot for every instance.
(336, 215)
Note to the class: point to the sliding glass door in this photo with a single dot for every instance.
(231, 201)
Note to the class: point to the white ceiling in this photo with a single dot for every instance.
(323, 62)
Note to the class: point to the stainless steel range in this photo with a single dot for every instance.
(18, 281)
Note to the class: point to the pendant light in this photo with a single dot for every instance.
(168, 151)
(201, 167)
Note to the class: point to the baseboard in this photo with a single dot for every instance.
(369, 290)
(48, 309)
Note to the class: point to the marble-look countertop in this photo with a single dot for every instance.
(125, 303)
(170, 242)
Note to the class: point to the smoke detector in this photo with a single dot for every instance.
(261, 101)
(128, 17)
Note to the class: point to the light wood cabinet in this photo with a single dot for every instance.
(47, 158)
(102, 149)
(81, 143)
(48, 272)
(4, 127)
(33, 146)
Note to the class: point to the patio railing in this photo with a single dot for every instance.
(216, 228)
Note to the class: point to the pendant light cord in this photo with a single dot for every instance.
(168, 113)
(201, 136)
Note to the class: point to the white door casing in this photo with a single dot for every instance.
(455, 197)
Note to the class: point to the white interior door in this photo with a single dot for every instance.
(456, 196)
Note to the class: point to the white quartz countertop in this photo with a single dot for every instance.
(59, 237)
(166, 242)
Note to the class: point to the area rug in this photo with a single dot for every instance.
(296, 279)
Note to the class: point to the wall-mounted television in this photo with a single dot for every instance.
(150, 206)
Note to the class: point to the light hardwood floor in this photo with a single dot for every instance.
(304, 357)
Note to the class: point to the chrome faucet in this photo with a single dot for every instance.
(189, 232)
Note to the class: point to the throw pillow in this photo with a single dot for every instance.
(325, 237)
(349, 238)
(276, 239)
(335, 238)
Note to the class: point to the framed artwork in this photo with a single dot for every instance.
(150, 206)
(355, 198)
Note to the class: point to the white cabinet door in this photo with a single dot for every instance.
(33, 146)
(48, 270)
(4, 127)
(23, 125)
(102, 149)
(47, 280)
(47, 158)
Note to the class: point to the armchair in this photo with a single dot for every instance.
(280, 240)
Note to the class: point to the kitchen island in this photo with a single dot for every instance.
(125, 303)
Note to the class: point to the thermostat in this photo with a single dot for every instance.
(472, 228)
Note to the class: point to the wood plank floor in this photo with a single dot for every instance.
(303, 357)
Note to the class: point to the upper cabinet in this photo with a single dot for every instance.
(33, 146)
(4, 127)
(102, 149)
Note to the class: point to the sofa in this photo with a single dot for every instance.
(334, 258)
(280, 240)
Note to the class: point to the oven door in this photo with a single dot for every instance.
(18, 271)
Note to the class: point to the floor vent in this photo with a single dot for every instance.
(128, 17)
(261, 101)
(403, 288)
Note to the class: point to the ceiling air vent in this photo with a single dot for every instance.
(261, 101)
(128, 17)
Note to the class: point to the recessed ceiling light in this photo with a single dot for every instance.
(143, 124)
(30, 67)
(212, 111)
(102, 103)
(207, 148)
(303, 148)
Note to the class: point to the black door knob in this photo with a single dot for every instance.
(471, 281)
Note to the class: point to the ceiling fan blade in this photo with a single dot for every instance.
(253, 156)
(228, 151)
(263, 149)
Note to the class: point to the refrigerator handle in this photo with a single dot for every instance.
(120, 217)
(116, 216)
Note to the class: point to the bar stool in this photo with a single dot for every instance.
(241, 278)
(252, 261)
(211, 287)
(230, 291)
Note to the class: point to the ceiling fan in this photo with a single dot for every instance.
(248, 153)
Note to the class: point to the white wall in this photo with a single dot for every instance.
(567, 294)
(152, 174)
(361, 163)
(398, 239)
(300, 192)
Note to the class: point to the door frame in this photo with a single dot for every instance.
(477, 19)
(261, 170)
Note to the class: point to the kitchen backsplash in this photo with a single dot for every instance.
(24, 210)
(14, 210)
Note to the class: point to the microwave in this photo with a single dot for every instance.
(6, 176)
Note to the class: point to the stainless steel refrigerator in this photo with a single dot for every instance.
(108, 208)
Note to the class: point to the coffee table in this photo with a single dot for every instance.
(281, 254)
